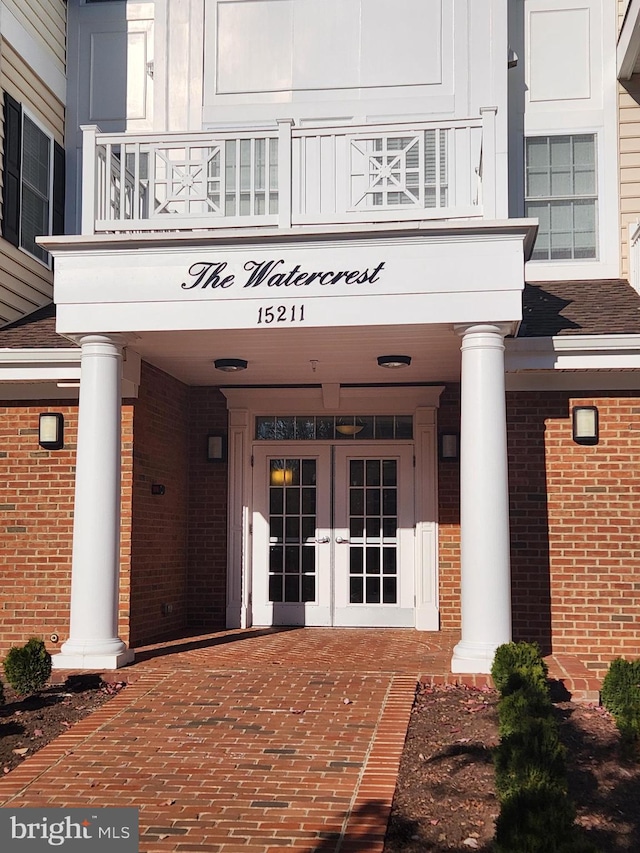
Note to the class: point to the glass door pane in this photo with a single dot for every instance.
(373, 525)
(292, 530)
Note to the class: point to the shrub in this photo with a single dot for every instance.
(515, 664)
(1, 693)
(28, 667)
(621, 697)
(536, 815)
(532, 700)
(537, 820)
(532, 757)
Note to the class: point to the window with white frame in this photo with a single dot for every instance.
(33, 191)
(562, 193)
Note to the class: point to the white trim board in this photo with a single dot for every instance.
(573, 352)
(33, 54)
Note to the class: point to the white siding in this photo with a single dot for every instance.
(25, 284)
(45, 21)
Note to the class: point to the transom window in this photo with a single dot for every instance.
(561, 192)
(333, 427)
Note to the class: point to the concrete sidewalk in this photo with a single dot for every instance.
(247, 741)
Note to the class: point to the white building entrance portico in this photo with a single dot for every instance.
(311, 311)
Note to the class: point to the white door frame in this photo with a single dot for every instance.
(245, 404)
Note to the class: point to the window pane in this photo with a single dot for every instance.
(538, 152)
(35, 158)
(585, 182)
(560, 150)
(584, 151)
(561, 216)
(538, 183)
(34, 222)
(561, 182)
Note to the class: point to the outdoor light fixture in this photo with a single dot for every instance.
(449, 445)
(584, 424)
(51, 430)
(394, 361)
(230, 365)
(216, 447)
(281, 476)
(349, 426)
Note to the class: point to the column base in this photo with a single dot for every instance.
(473, 657)
(92, 662)
(92, 654)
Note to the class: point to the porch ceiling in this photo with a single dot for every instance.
(285, 356)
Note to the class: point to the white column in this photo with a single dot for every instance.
(484, 501)
(93, 642)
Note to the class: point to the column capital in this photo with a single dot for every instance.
(116, 339)
(502, 329)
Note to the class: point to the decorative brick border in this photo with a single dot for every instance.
(366, 823)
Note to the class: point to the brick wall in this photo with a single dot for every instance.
(36, 523)
(207, 513)
(449, 515)
(159, 521)
(575, 511)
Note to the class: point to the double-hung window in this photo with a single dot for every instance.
(562, 193)
(33, 203)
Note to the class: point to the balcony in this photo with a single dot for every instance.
(288, 177)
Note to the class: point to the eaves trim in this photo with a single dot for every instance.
(573, 352)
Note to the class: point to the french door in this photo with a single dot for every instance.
(333, 535)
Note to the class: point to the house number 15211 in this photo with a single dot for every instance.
(280, 314)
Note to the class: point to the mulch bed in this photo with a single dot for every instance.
(29, 723)
(445, 797)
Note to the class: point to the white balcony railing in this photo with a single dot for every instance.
(289, 176)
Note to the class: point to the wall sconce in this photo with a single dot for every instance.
(51, 430)
(584, 424)
(394, 361)
(230, 365)
(449, 445)
(216, 447)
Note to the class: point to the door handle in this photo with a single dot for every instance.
(341, 541)
(322, 540)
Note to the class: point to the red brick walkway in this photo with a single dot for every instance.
(247, 742)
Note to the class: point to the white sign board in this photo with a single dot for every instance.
(325, 284)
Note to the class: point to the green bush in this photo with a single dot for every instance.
(27, 668)
(1, 693)
(621, 697)
(532, 757)
(515, 664)
(536, 815)
(537, 820)
(532, 700)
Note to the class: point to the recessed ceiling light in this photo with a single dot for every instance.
(230, 365)
(394, 361)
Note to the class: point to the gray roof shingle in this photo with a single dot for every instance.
(595, 307)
